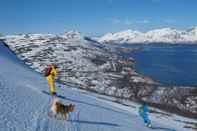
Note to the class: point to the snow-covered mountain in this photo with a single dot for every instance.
(87, 64)
(165, 35)
(24, 106)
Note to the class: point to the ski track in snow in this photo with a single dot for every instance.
(40, 120)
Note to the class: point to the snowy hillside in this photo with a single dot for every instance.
(24, 106)
(87, 64)
(165, 35)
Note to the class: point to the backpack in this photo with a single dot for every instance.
(47, 71)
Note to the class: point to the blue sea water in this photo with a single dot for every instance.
(167, 64)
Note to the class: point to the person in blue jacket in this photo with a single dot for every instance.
(143, 112)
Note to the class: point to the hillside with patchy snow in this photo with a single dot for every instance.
(165, 35)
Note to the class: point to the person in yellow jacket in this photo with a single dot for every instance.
(52, 74)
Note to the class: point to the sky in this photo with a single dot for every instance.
(95, 17)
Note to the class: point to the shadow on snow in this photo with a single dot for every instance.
(162, 128)
(94, 123)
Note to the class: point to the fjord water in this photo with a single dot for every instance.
(166, 63)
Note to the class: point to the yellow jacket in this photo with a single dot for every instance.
(53, 74)
(51, 79)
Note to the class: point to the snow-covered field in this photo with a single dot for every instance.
(24, 106)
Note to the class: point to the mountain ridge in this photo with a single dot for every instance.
(163, 35)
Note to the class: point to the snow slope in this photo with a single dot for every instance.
(24, 107)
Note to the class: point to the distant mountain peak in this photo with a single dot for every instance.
(164, 35)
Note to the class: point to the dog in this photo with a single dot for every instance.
(58, 108)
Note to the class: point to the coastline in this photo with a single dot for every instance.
(174, 99)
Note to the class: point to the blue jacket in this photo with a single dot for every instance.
(143, 112)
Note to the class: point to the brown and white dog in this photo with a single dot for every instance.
(58, 108)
